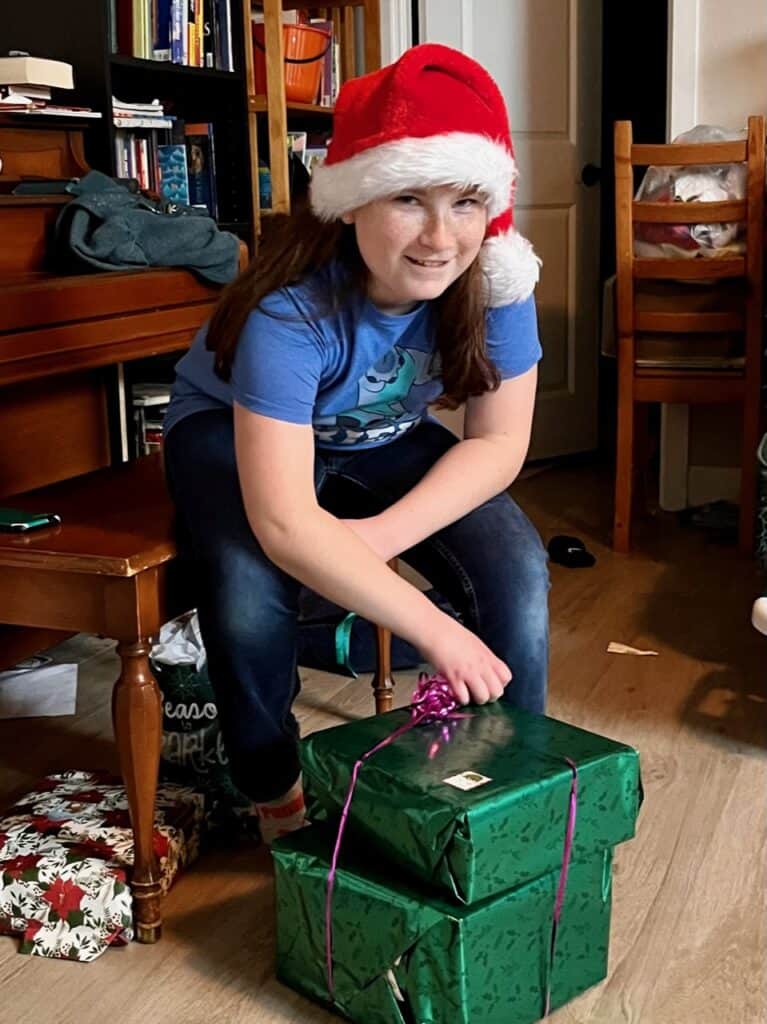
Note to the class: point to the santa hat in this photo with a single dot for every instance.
(434, 117)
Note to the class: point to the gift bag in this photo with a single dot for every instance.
(193, 751)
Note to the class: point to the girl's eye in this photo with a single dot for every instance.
(407, 200)
(466, 202)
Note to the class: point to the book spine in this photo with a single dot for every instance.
(208, 52)
(162, 42)
(184, 31)
(191, 39)
(176, 49)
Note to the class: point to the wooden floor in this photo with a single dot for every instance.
(688, 934)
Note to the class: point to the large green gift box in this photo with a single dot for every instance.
(400, 957)
(488, 809)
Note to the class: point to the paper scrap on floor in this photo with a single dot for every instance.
(45, 690)
(616, 648)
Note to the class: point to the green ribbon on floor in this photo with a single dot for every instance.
(343, 643)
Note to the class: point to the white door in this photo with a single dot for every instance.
(546, 56)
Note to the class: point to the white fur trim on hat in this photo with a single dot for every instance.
(511, 268)
(455, 158)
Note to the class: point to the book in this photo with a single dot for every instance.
(201, 165)
(36, 71)
(59, 112)
(314, 156)
(161, 30)
(297, 144)
(30, 92)
(142, 122)
(325, 94)
(174, 179)
(154, 107)
(208, 40)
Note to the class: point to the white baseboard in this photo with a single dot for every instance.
(712, 483)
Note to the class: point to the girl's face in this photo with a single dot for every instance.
(417, 243)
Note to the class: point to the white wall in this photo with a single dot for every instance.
(717, 75)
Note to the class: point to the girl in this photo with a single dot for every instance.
(298, 445)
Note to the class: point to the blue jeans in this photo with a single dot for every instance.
(490, 565)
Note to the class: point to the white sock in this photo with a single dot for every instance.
(284, 814)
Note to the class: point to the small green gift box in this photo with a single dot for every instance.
(480, 810)
(400, 957)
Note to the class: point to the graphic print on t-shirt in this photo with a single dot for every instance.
(391, 397)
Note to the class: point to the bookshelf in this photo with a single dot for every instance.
(83, 33)
(271, 116)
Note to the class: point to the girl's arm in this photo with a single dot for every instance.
(496, 438)
(275, 461)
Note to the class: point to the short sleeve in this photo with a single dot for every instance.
(512, 337)
(278, 362)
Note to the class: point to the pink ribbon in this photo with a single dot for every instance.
(433, 701)
(562, 886)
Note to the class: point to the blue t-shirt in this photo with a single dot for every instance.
(361, 377)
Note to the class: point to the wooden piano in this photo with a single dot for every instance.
(106, 568)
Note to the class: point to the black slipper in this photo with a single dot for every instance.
(571, 552)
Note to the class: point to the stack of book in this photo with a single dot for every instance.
(150, 403)
(197, 33)
(137, 140)
(26, 85)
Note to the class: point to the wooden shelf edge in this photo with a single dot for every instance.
(259, 105)
(167, 67)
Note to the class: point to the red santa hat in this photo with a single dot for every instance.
(434, 117)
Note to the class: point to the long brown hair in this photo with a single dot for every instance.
(300, 244)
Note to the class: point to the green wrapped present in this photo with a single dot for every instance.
(480, 811)
(400, 957)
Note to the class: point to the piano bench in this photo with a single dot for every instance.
(111, 568)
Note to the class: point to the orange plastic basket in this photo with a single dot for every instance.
(305, 48)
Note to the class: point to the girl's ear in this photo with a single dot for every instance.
(348, 218)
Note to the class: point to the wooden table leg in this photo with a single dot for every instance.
(137, 718)
(382, 682)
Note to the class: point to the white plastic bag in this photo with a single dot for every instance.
(702, 184)
(180, 643)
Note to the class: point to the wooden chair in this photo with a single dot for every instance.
(686, 342)
(111, 568)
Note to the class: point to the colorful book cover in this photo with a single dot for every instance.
(201, 167)
(174, 180)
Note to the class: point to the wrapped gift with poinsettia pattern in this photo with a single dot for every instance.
(65, 850)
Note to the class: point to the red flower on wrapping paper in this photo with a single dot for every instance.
(117, 819)
(42, 823)
(86, 796)
(91, 848)
(64, 897)
(18, 865)
(160, 844)
(46, 785)
(31, 930)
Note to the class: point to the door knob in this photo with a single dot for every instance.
(591, 175)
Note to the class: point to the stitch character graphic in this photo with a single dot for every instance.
(390, 398)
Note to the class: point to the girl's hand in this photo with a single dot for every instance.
(372, 531)
(471, 668)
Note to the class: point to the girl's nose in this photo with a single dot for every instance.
(436, 232)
